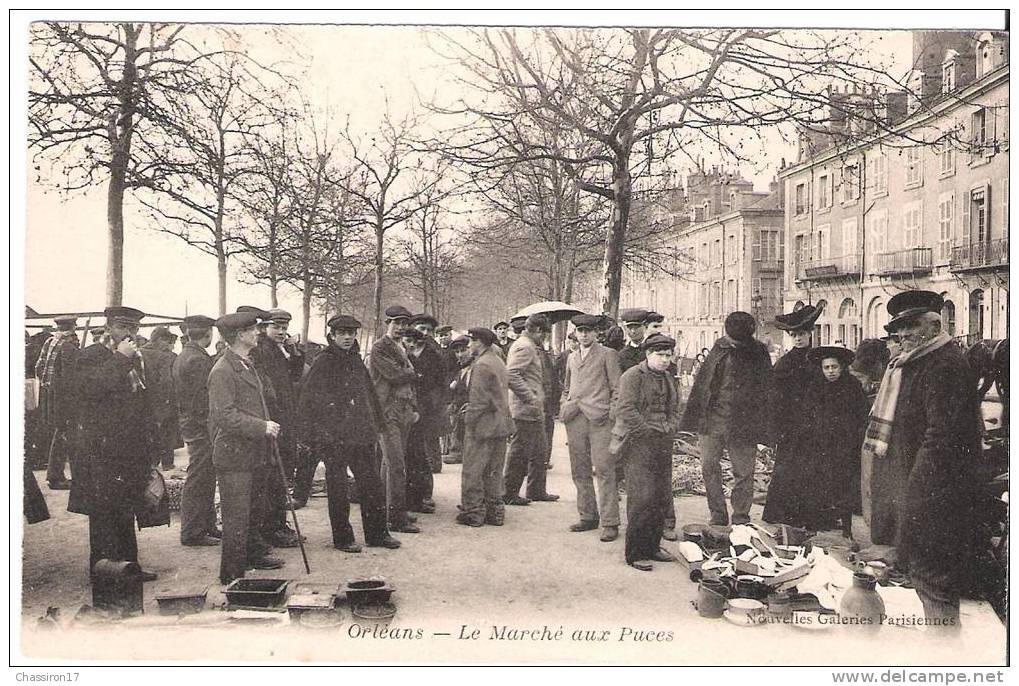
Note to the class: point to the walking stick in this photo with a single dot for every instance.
(290, 502)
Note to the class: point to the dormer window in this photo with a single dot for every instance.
(985, 54)
(948, 72)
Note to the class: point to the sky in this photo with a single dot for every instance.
(353, 69)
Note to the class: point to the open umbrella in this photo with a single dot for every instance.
(553, 309)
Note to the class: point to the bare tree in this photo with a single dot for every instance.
(432, 257)
(98, 101)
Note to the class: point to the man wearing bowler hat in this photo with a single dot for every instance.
(923, 440)
(592, 374)
(341, 421)
(242, 433)
(191, 385)
(118, 430)
(487, 423)
(394, 377)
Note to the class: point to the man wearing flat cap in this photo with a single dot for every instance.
(278, 359)
(190, 373)
(55, 369)
(159, 357)
(341, 422)
(923, 440)
(242, 432)
(502, 339)
(487, 423)
(647, 418)
(117, 428)
(427, 368)
(432, 393)
(728, 408)
(634, 321)
(460, 347)
(592, 374)
(394, 377)
(527, 449)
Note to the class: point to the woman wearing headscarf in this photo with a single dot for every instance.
(796, 380)
(868, 367)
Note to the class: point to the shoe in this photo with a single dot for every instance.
(584, 525)
(202, 541)
(468, 520)
(424, 508)
(281, 539)
(215, 533)
(428, 501)
(64, 485)
(387, 542)
(291, 532)
(452, 459)
(642, 565)
(548, 467)
(299, 503)
(406, 528)
(351, 547)
(670, 535)
(148, 576)
(517, 500)
(495, 518)
(410, 518)
(740, 520)
(227, 580)
(719, 521)
(609, 534)
(266, 562)
(663, 556)
(545, 498)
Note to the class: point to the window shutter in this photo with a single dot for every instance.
(989, 216)
(965, 231)
(756, 248)
(1004, 207)
(991, 142)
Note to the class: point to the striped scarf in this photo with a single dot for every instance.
(880, 424)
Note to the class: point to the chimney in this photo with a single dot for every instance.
(895, 104)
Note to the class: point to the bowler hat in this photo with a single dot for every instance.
(586, 321)
(343, 321)
(123, 315)
(844, 355)
(633, 315)
(238, 321)
(800, 320)
(397, 312)
(909, 304)
(482, 334)
(658, 341)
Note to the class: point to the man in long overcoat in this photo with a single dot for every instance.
(55, 369)
(158, 357)
(924, 439)
(728, 408)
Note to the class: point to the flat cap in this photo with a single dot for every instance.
(540, 322)
(65, 323)
(238, 321)
(653, 316)
(480, 333)
(658, 341)
(278, 315)
(586, 321)
(397, 312)
(909, 304)
(199, 321)
(343, 321)
(123, 315)
(162, 333)
(412, 333)
(424, 319)
(800, 320)
(498, 324)
(446, 328)
(633, 315)
(262, 314)
(459, 342)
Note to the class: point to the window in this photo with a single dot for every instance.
(912, 224)
(702, 258)
(877, 173)
(948, 76)
(879, 231)
(914, 166)
(800, 250)
(730, 295)
(715, 303)
(822, 242)
(849, 228)
(702, 300)
(730, 249)
(768, 248)
(1004, 207)
(716, 253)
(850, 182)
(801, 198)
(976, 215)
(978, 134)
(946, 160)
(946, 225)
(824, 192)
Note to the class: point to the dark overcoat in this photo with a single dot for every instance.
(159, 379)
(237, 415)
(191, 385)
(337, 403)
(752, 375)
(284, 374)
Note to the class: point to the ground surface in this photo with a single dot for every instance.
(531, 573)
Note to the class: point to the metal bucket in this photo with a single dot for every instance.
(710, 599)
(117, 586)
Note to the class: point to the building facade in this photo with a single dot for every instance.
(921, 204)
(723, 252)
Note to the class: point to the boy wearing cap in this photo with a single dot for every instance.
(190, 374)
(241, 431)
(634, 321)
(487, 423)
(647, 417)
(459, 346)
(394, 377)
(118, 429)
(728, 408)
(592, 374)
(923, 440)
(341, 421)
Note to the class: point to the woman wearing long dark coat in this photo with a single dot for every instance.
(796, 381)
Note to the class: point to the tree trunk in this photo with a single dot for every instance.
(115, 224)
(379, 264)
(612, 265)
(309, 287)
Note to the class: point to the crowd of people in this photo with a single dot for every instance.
(891, 430)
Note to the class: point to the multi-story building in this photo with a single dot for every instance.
(919, 203)
(722, 251)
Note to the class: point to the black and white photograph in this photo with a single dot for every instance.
(588, 338)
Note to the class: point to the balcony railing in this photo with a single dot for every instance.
(829, 268)
(982, 255)
(769, 265)
(903, 262)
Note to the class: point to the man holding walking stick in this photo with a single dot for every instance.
(242, 450)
